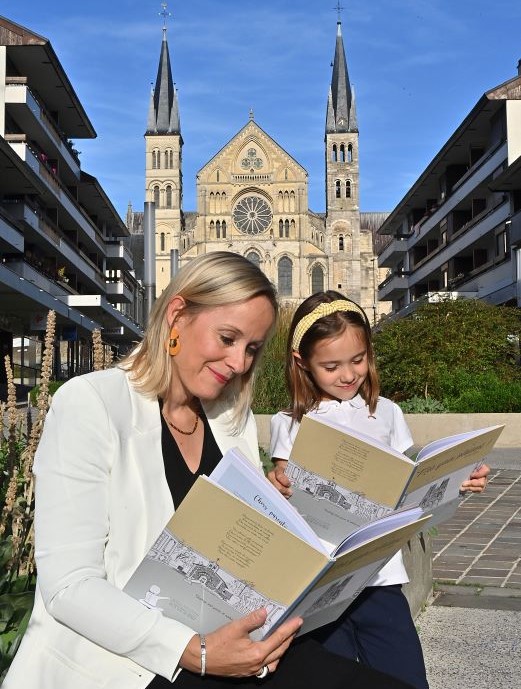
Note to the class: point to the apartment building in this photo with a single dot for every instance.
(62, 243)
(452, 233)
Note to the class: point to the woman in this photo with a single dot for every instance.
(119, 451)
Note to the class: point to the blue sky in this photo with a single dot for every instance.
(418, 67)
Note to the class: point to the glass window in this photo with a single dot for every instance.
(317, 279)
(285, 274)
(254, 258)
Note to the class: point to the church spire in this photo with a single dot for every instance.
(341, 113)
(163, 115)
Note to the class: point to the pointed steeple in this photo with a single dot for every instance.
(341, 115)
(163, 116)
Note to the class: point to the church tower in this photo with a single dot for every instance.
(163, 174)
(342, 179)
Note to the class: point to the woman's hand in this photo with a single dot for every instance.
(279, 478)
(231, 653)
(477, 481)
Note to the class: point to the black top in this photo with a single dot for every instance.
(180, 479)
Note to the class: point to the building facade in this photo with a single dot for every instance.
(452, 233)
(61, 240)
(252, 199)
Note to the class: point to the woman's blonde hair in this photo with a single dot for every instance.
(220, 278)
(304, 393)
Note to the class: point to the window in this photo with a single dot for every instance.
(342, 153)
(254, 258)
(501, 244)
(337, 189)
(223, 229)
(285, 275)
(162, 242)
(350, 153)
(334, 154)
(218, 176)
(317, 279)
(156, 159)
(169, 159)
(169, 196)
(218, 229)
(281, 228)
(348, 189)
(286, 228)
(341, 243)
(156, 195)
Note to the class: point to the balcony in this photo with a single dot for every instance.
(118, 291)
(118, 256)
(393, 286)
(393, 252)
(59, 247)
(11, 239)
(89, 231)
(34, 119)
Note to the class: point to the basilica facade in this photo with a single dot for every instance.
(252, 199)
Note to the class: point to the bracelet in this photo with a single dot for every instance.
(202, 639)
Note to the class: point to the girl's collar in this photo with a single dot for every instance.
(356, 402)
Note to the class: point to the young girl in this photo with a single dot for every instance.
(331, 375)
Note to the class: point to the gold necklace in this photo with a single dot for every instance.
(179, 430)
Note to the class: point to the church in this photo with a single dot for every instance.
(252, 199)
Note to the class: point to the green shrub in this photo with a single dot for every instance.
(422, 405)
(270, 394)
(464, 393)
(417, 356)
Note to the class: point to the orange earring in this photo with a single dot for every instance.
(173, 345)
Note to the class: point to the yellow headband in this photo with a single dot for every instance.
(325, 309)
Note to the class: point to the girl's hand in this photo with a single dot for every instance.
(279, 478)
(477, 481)
(231, 653)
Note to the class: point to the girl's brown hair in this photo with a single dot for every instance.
(304, 393)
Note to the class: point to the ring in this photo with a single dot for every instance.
(261, 674)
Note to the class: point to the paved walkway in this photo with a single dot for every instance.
(471, 633)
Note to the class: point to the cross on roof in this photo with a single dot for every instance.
(164, 13)
(339, 9)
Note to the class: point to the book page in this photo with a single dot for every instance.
(333, 592)
(351, 460)
(238, 476)
(219, 559)
(448, 455)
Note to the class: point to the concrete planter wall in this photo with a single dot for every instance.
(427, 427)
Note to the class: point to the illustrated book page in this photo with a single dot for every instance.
(442, 466)
(341, 478)
(218, 559)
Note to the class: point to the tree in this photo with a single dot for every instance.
(442, 343)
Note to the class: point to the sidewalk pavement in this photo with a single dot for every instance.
(471, 631)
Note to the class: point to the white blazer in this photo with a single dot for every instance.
(101, 501)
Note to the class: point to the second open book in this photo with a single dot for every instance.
(235, 545)
(342, 478)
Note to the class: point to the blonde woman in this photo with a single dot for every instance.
(119, 451)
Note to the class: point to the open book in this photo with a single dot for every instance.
(342, 478)
(236, 544)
